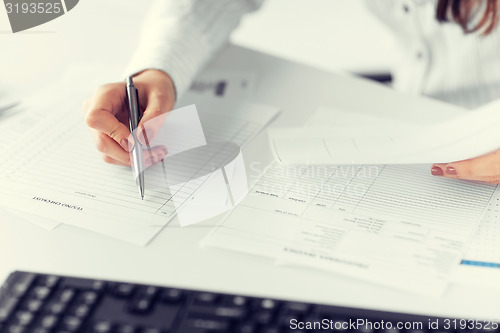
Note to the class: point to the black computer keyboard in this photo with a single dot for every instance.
(41, 303)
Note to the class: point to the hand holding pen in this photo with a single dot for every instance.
(107, 115)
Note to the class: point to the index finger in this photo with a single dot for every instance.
(482, 168)
(102, 112)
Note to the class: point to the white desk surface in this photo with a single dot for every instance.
(175, 258)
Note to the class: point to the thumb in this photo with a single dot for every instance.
(153, 117)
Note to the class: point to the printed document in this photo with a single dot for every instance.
(469, 135)
(55, 171)
(393, 225)
(390, 224)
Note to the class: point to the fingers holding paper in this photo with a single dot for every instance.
(485, 168)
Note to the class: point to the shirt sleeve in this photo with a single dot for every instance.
(181, 36)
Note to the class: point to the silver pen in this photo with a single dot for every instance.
(134, 117)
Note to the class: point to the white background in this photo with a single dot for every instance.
(329, 34)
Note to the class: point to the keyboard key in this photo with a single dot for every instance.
(102, 327)
(84, 284)
(67, 295)
(285, 319)
(49, 281)
(123, 290)
(33, 305)
(22, 284)
(151, 330)
(126, 329)
(142, 305)
(268, 304)
(239, 300)
(41, 293)
(293, 307)
(49, 322)
(7, 307)
(16, 329)
(89, 298)
(71, 324)
(206, 298)
(246, 328)
(23, 318)
(58, 308)
(172, 295)
(81, 311)
(263, 317)
(236, 313)
(209, 324)
(151, 291)
(40, 330)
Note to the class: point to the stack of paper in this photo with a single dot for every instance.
(55, 175)
(387, 142)
(390, 224)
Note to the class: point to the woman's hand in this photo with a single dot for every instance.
(107, 113)
(485, 168)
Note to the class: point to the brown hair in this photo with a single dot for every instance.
(461, 11)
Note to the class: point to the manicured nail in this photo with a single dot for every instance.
(125, 144)
(451, 171)
(436, 171)
(143, 136)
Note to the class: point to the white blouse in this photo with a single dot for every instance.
(438, 60)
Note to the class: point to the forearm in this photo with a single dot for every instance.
(180, 37)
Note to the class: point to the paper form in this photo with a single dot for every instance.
(481, 262)
(72, 185)
(480, 266)
(378, 250)
(18, 124)
(60, 175)
(75, 176)
(469, 135)
(393, 221)
(484, 249)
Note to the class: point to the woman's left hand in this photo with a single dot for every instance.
(485, 168)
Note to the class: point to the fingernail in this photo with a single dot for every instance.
(451, 171)
(125, 144)
(143, 136)
(436, 171)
